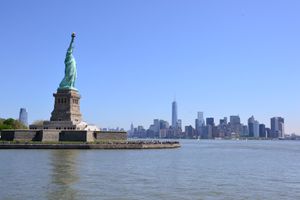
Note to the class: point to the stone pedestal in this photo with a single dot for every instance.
(66, 106)
(54, 135)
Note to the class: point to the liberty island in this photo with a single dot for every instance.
(66, 123)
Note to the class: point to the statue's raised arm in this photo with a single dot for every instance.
(68, 81)
(72, 41)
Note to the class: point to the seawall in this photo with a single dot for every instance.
(108, 145)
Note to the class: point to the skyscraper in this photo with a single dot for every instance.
(179, 123)
(245, 130)
(199, 122)
(235, 124)
(131, 127)
(201, 118)
(210, 121)
(156, 124)
(131, 132)
(223, 121)
(210, 124)
(256, 129)
(251, 122)
(277, 127)
(235, 120)
(163, 124)
(189, 131)
(174, 115)
(23, 116)
(262, 130)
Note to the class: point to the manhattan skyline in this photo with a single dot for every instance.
(210, 128)
(223, 59)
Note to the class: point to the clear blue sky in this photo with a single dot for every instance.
(221, 57)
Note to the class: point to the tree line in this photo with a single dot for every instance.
(11, 123)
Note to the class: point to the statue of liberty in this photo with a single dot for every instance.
(68, 81)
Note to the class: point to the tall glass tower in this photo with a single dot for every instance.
(174, 115)
(277, 127)
(23, 116)
(199, 122)
(201, 119)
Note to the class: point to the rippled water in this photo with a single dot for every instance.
(198, 170)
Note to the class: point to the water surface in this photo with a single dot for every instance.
(203, 169)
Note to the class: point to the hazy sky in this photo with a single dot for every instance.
(223, 57)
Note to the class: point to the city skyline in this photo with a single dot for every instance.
(199, 121)
(209, 128)
(230, 58)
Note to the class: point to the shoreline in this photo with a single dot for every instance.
(97, 145)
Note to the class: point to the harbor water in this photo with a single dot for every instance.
(200, 169)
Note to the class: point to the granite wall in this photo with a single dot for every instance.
(53, 135)
(24, 135)
(49, 135)
(86, 136)
(108, 135)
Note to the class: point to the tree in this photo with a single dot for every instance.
(38, 122)
(11, 124)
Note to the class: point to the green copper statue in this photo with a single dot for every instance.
(70, 69)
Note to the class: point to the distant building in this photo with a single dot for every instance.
(141, 132)
(174, 115)
(179, 123)
(223, 121)
(163, 133)
(262, 130)
(209, 128)
(222, 128)
(251, 126)
(268, 133)
(215, 132)
(210, 121)
(23, 116)
(245, 131)
(131, 128)
(156, 124)
(256, 129)
(174, 133)
(235, 124)
(277, 127)
(199, 124)
(131, 131)
(153, 131)
(235, 120)
(163, 124)
(189, 132)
